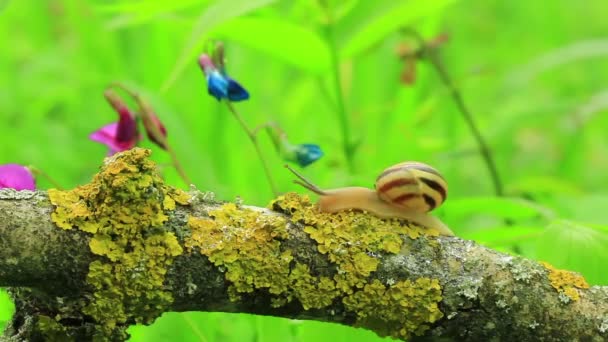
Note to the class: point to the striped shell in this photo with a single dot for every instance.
(412, 185)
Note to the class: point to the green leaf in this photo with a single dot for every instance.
(503, 235)
(575, 52)
(3, 4)
(6, 309)
(388, 21)
(273, 329)
(576, 246)
(500, 207)
(145, 7)
(321, 331)
(545, 185)
(171, 326)
(339, 8)
(589, 208)
(197, 327)
(282, 40)
(134, 13)
(214, 15)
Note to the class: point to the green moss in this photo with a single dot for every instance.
(566, 282)
(124, 209)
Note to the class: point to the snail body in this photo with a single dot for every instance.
(406, 191)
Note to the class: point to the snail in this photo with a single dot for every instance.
(407, 190)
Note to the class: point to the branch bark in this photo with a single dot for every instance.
(350, 268)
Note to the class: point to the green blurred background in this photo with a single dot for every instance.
(534, 75)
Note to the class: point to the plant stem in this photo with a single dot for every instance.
(124, 88)
(146, 112)
(269, 127)
(347, 145)
(433, 56)
(270, 124)
(38, 172)
(146, 115)
(252, 136)
(326, 94)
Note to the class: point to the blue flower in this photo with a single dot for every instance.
(302, 154)
(306, 154)
(219, 85)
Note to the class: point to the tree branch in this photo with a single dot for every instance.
(87, 263)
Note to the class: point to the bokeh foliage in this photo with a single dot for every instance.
(533, 73)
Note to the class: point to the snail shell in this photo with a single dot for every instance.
(412, 185)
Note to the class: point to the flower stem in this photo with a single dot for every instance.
(36, 171)
(348, 147)
(146, 115)
(270, 124)
(269, 127)
(252, 136)
(155, 131)
(432, 55)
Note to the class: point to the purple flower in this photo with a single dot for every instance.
(118, 136)
(219, 85)
(16, 177)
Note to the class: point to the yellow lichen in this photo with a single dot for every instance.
(351, 239)
(124, 207)
(50, 330)
(405, 308)
(247, 243)
(313, 292)
(566, 282)
(354, 241)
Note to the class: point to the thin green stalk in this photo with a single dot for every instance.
(124, 88)
(347, 145)
(326, 94)
(432, 55)
(146, 114)
(270, 124)
(36, 171)
(252, 136)
(271, 128)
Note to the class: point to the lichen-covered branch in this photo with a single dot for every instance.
(86, 263)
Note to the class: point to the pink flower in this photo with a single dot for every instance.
(108, 135)
(16, 177)
(118, 136)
